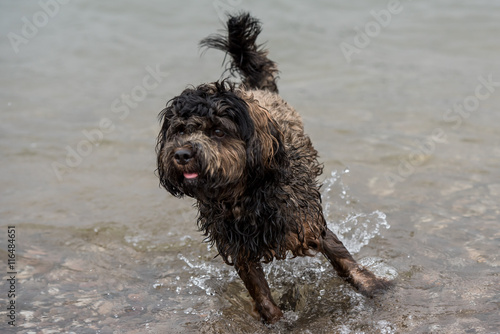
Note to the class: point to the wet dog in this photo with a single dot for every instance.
(242, 153)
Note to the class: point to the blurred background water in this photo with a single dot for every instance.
(395, 96)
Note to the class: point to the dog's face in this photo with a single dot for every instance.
(214, 142)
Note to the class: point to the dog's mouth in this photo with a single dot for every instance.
(189, 181)
(190, 176)
(192, 182)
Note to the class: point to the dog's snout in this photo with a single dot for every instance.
(183, 155)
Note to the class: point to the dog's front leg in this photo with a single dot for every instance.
(362, 279)
(255, 282)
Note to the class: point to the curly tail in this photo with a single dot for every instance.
(248, 58)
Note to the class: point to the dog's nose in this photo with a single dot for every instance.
(183, 155)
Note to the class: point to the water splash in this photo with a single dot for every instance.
(379, 267)
(345, 218)
(204, 272)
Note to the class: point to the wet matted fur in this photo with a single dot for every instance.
(242, 153)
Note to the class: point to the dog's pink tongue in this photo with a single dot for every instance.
(190, 175)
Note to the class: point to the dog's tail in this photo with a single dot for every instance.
(248, 59)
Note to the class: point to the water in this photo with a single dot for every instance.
(355, 229)
(411, 182)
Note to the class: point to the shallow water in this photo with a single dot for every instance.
(411, 183)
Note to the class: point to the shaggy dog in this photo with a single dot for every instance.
(241, 152)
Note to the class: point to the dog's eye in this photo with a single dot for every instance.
(219, 133)
(180, 131)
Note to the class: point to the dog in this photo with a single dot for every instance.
(241, 152)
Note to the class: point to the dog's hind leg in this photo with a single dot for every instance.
(345, 265)
(255, 282)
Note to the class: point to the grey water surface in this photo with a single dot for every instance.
(401, 99)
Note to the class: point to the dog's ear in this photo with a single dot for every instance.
(266, 154)
(165, 117)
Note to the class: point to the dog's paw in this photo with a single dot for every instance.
(269, 312)
(375, 287)
(368, 284)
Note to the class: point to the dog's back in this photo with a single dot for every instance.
(259, 75)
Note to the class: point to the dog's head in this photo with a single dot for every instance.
(216, 142)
